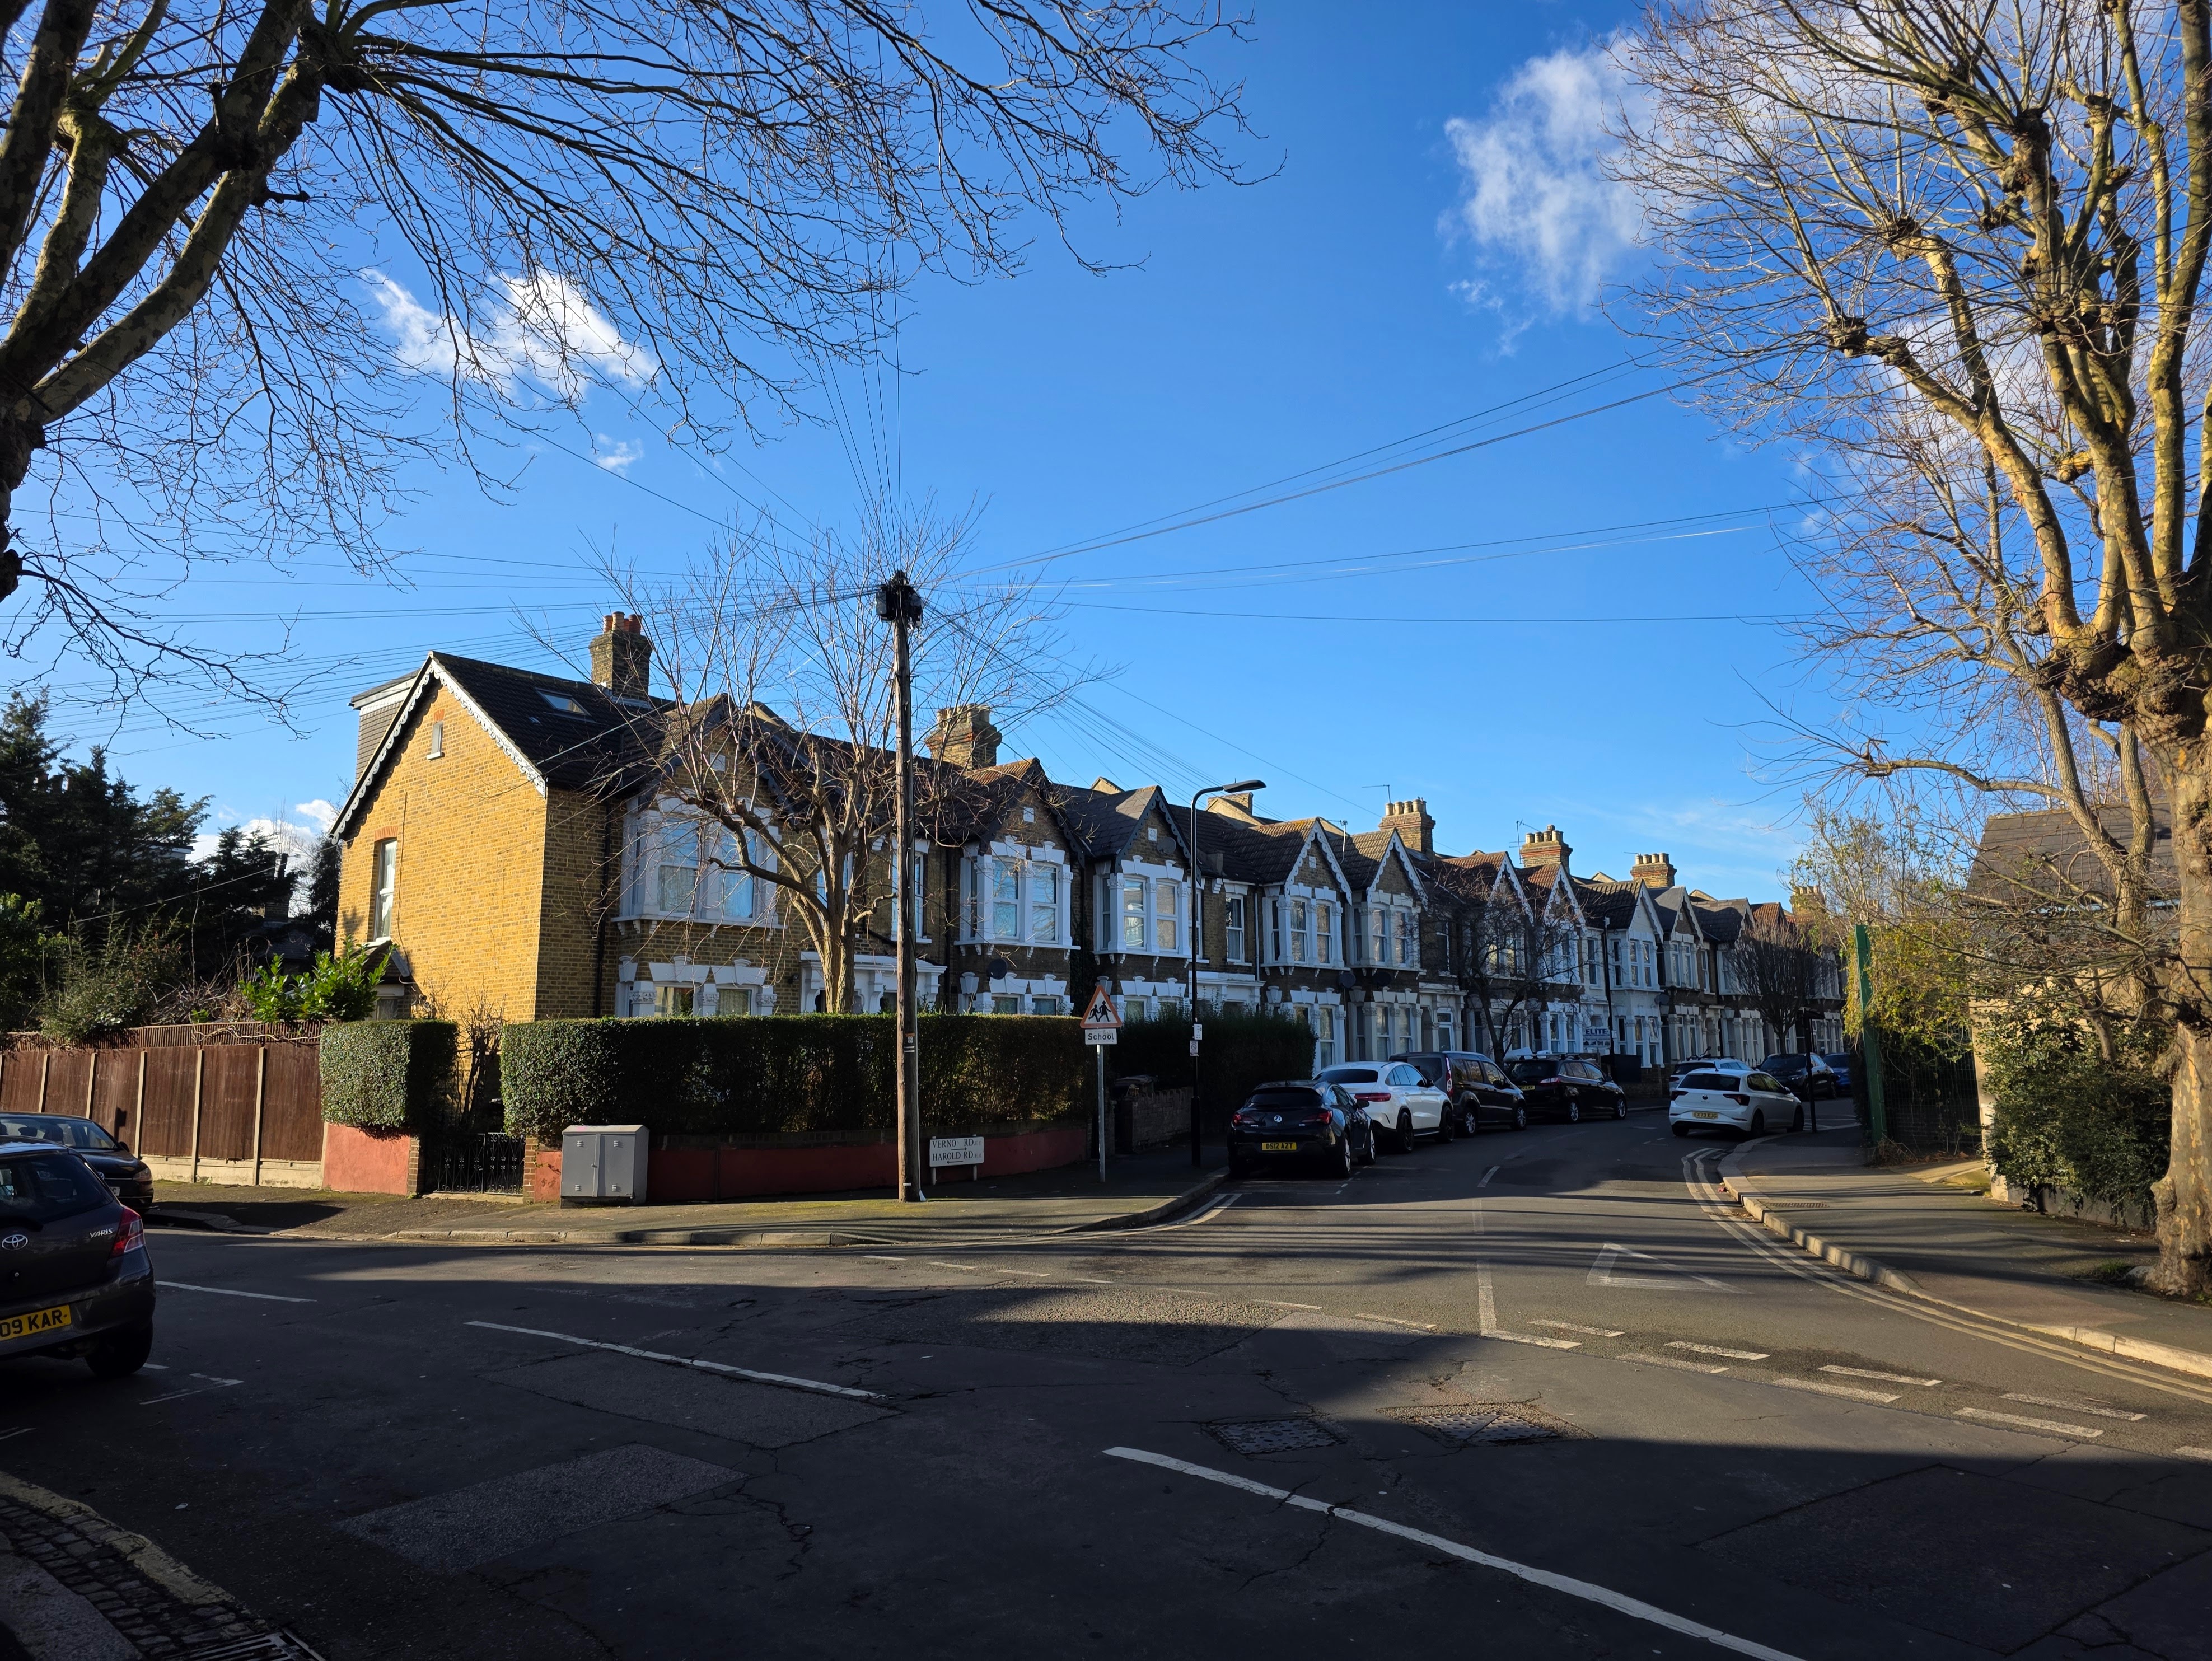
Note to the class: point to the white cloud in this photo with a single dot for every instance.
(1538, 205)
(296, 834)
(319, 813)
(543, 329)
(617, 455)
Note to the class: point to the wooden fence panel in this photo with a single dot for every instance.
(292, 1103)
(22, 1081)
(226, 1090)
(115, 1094)
(68, 1079)
(165, 1129)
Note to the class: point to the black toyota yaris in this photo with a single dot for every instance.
(75, 1278)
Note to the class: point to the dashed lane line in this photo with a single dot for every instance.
(1488, 1174)
(211, 1383)
(1673, 1361)
(1586, 1591)
(1392, 1320)
(2055, 1427)
(1569, 1326)
(232, 1292)
(1884, 1378)
(2074, 1407)
(1821, 1386)
(1714, 1349)
(783, 1379)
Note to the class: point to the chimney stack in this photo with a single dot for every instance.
(1411, 820)
(964, 737)
(622, 657)
(1545, 847)
(1653, 871)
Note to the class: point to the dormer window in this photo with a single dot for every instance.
(562, 702)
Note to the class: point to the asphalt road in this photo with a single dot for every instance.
(1532, 1394)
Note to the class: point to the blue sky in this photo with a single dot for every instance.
(1550, 666)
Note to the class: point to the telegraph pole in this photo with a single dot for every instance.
(898, 604)
(1198, 941)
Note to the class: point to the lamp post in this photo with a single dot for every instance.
(1198, 939)
(899, 603)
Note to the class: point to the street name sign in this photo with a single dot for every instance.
(946, 1152)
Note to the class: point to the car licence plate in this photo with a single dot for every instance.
(1704, 1113)
(1279, 1147)
(38, 1320)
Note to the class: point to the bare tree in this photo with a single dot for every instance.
(1784, 970)
(691, 202)
(778, 750)
(1510, 950)
(1958, 250)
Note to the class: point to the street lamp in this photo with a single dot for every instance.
(898, 604)
(1198, 937)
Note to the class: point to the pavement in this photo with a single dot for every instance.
(1928, 1231)
(1552, 1393)
(1138, 1188)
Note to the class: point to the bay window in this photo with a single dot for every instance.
(1324, 932)
(1045, 902)
(1006, 899)
(1275, 931)
(1233, 923)
(734, 895)
(1407, 952)
(1132, 914)
(1301, 915)
(1167, 915)
(676, 882)
(1380, 950)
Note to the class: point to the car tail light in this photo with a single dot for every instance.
(133, 1232)
(1371, 1096)
(1740, 1101)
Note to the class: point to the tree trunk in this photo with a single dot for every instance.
(18, 439)
(2183, 1195)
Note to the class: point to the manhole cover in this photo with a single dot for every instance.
(1274, 1435)
(1490, 1423)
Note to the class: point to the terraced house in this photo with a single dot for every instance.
(534, 846)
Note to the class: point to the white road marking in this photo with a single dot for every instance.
(878, 1257)
(1392, 1320)
(1886, 1378)
(1488, 1174)
(213, 1383)
(2073, 1407)
(1714, 1349)
(20, 1430)
(990, 1269)
(1569, 1326)
(2052, 1424)
(232, 1292)
(1602, 1273)
(784, 1379)
(1850, 1393)
(1680, 1365)
(1278, 1303)
(1603, 1596)
(1533, 1338)
(1485, 1303)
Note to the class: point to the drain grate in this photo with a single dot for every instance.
(1274, 1435)
(1491, 1422)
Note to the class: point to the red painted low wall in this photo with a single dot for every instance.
(677, 1174)
(369, 1161)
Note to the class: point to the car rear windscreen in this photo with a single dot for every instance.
(1280, 1098)
(43, 1188)
(1352, 1075)
(1785, 1065)
(1531, 1072)
(55, 1128)
(1720, 1081)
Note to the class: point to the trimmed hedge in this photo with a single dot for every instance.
(764, 1075)
(1242, 1051)
(388, 1075)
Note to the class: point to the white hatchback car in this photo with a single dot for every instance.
(1400, 1104)
(1749, 1102)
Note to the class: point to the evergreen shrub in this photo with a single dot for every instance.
(2068, 1115)
(387, 1075)
(770, 1074)
(1240, 1051)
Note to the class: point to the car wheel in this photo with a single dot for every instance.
(1367, 1147)
(1797, 1120)
(1474, 1122)
(1620, 1107)
(121, 1353)
(1405, 1131)
(1520, 1115)
(1341, 1165)
(1446, 1131)
(1757, 1123)
(1681, 1129)
(1574, 1111)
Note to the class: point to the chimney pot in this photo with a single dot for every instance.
(622, 657)
(1410, 819)
(964, 737)
(1653, 871)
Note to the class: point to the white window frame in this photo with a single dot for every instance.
(1236, 935)
(383, 886)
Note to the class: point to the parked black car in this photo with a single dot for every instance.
(1807, 1077)
(75, 1278)
(126, 1176)
(1568, 1088)
(1303, 1121)
(1476, 1090)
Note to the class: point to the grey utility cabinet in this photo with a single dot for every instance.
(604, 1164)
